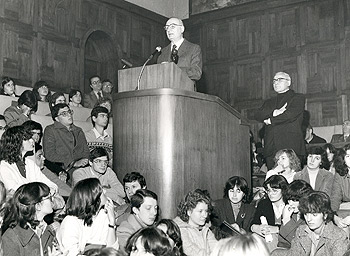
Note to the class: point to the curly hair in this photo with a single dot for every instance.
(153, 240)
(85, 200)
(173, 232)
(317, 202)
(11, 143)
(21, 207)
(241, 183)
(190, 202)
(321, 152)
(294, 161)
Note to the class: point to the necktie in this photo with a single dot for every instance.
(174, 57)
(99, 95)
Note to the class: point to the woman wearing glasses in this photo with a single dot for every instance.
(271, 207)
(27, 233)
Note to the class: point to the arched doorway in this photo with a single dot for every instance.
(101, 58)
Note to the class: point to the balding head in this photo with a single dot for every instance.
(174, 28)
(281, 82)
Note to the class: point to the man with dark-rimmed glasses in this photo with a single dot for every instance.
(282, 116)
(64, 142)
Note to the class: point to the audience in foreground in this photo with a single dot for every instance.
(319, 236)
(27, 233)
(172, 231)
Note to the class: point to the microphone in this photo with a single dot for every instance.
(126, 63)
(158, 49)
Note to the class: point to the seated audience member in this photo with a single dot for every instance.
(235, 208)
(330, 150)
(287, 164)
(75, 98)
(244, 245)
(27, 233)
(26, 105)
(271, 207)
(90, 219)
(192, 216)
(144, 207)
(3, 125)
(8, 87)
(311, 138)
(314, 172)
(173, 233)
(149, 241)
(91, 99)
(132, 182)
(14, 169)
(291, 217)
(345, 137)
(99, 169)
(107, 88)
(319, 236)
(64, 142)
(107, 251)
(56, 98)
(39, 159)
(35, 128)
(98, 136)
(42, 91)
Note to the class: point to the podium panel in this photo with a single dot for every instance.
(179, 140)
(165, 75)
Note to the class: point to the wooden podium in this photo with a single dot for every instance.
(165, 75)
(179, 140)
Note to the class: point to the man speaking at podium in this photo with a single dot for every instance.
(186, 55)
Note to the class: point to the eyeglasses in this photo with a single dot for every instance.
(98, 161)
(96, 82)
(279, 79)
(171, 26)
(66, 113)
(108, 85)
(44, 86)
(49, 196)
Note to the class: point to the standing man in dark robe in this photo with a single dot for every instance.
(283, 116)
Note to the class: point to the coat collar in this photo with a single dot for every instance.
(26, 235)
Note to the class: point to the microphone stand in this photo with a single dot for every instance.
(142, 69)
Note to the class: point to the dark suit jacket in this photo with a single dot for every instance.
(90, 99)
(190, 58)
(339, 138)
(324, 180)
(223, 211)
(285, 130)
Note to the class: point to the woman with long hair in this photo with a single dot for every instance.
(16, 169)
(90, 220)
(172, 231)
(287, 163)
(75, 98)
(8, 86)
(27, 233)
(42, 91)
(193, 214)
